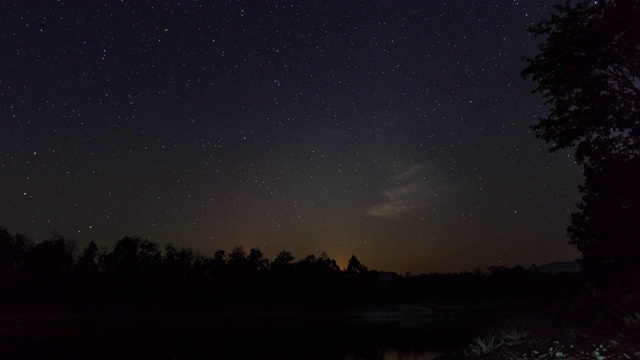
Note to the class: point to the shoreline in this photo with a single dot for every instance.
(16, 313)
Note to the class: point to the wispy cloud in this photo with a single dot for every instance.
(410, 192)
(410, 173)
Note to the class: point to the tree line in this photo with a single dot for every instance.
(140, 271)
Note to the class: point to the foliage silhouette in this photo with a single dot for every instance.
(137, 271)
(282, 261)
(607, 227)
(588, 70)
(12, 250)
(354, 267)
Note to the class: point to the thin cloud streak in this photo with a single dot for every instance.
(404, 198)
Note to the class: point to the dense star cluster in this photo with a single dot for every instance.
(397, 131)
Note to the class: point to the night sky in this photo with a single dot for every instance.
(394, 130)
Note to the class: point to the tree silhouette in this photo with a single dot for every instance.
(325, 263)
(282, 260)
(86, 272)
(12, 250)
(47, 267)
(257, 260)
(88, 262)
(354, 267)
(134, 268)
(219, 262)
(588, 70)
(607, 227)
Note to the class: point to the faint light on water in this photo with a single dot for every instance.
(396, 355)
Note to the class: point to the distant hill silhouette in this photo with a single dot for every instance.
(560, 267)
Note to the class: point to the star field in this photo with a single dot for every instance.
(396, 131)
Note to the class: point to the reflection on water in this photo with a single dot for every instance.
(393, 354)
(237, 339)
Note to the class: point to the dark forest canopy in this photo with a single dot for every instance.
(588, 70)
(138, 270)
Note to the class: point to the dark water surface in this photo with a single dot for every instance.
(246, 337)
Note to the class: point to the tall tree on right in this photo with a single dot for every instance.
(588, 71)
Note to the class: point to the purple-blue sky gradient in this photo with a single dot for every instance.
(394, 130)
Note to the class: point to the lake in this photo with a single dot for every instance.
(241, 336)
